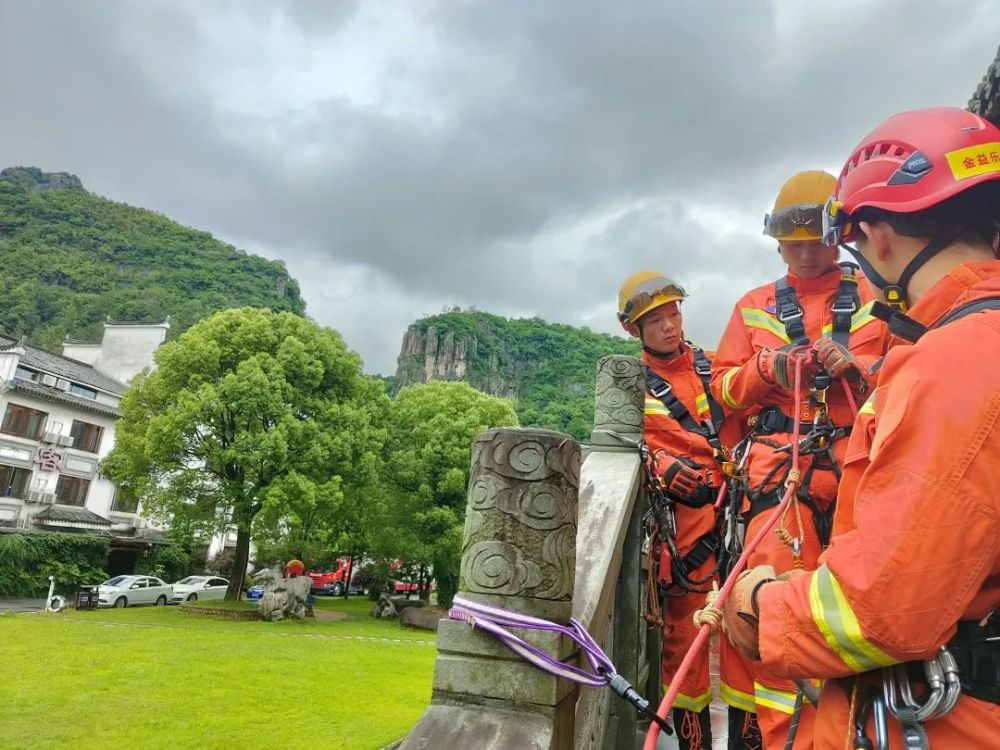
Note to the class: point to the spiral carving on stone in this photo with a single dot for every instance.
(496, 567)
(538, 505)
(483, 492)
(559, 551)
(530, 455)
(620, 394)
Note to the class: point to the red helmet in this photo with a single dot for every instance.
(912, 161)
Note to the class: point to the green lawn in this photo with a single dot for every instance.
(157, 678)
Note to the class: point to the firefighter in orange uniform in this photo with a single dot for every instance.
(684, 433)
(819, 304)
(914, 564)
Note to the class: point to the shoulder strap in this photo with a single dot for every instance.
(789, 310)
(663, 391)
(908, 329)
(703, 367)
(845, 304)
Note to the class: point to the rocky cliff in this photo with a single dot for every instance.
(547, 369)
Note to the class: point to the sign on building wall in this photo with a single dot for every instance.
(48, 458)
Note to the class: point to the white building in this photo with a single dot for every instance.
(57, 421)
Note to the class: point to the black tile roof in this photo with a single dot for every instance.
(51, 393)
(64, 367)
(61, 514)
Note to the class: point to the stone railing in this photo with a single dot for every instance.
(550, 536)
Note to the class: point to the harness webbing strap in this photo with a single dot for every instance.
(846, 302)
(662, 390)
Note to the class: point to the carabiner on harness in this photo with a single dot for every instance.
(944, 690)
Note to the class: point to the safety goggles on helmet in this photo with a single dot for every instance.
(649, 295)
(837, 225)
(802, 218)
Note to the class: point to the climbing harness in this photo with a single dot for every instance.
(495, 621)
(846, 302)
(710, 617)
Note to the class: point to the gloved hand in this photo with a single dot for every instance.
(740, 613)
(777, 367)
(684, 480)
(836, 359)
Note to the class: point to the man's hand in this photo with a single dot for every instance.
(684, 480)
(777, 367)
(740, 614)
(836, 359)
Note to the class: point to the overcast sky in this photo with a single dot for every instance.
(519, 156)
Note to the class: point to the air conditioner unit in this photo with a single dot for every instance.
(62, 385)
(51, 437)
(49, 380)
(65, 440)
(39, 496)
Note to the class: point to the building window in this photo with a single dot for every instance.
(24, 422)
(125, 501)
(14, 481)
(26, 374)
(86, 436)
(72, 490)
(82, 391)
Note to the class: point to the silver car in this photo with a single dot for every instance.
(122, 591)
(199, 588)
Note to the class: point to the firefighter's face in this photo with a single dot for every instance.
(661, 328)
(808, 260)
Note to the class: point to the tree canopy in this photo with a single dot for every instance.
(252, 419)
(431, 431)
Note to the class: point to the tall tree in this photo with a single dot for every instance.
(248, 410)
(430, 450)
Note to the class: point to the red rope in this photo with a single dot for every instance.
(850, 396)
(705, 631)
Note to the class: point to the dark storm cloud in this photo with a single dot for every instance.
(522, 157)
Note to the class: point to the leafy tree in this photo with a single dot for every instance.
(249, 415)
(431, 431)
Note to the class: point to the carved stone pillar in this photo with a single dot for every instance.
(619, 403)
(519, 553)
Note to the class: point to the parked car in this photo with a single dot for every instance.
(122, 591)
(199, 588)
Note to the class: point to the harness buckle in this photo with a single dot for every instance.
(786, 314)
(659, 391)
(841, 307)
(702, 367)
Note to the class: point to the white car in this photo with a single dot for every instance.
(199, 588)
(122, 591)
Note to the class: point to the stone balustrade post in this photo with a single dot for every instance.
(519, 553)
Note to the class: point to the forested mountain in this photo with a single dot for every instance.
(72, 259)
(548, 369)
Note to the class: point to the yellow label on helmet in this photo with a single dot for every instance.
(974, 160)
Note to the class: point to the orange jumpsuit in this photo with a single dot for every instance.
(737, 383)
(918, 519)
(663, 432)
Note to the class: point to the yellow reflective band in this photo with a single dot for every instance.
(695, 703)
(779, 700)
(727, 396)
(738, 699)
(655, 406)
(701, 403)
(839, 625)
(762, 319)
(859, 320)
(868, 407)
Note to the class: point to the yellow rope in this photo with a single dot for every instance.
(851, 714)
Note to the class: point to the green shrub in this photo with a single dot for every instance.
(27, 561)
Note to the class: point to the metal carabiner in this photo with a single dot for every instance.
(880, 722)
(953, 686)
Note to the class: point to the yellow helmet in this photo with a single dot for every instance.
(645, 291)
(797, 215)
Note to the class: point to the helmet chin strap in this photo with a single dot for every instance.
(896, 294)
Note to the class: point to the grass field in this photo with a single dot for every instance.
(157, 678)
